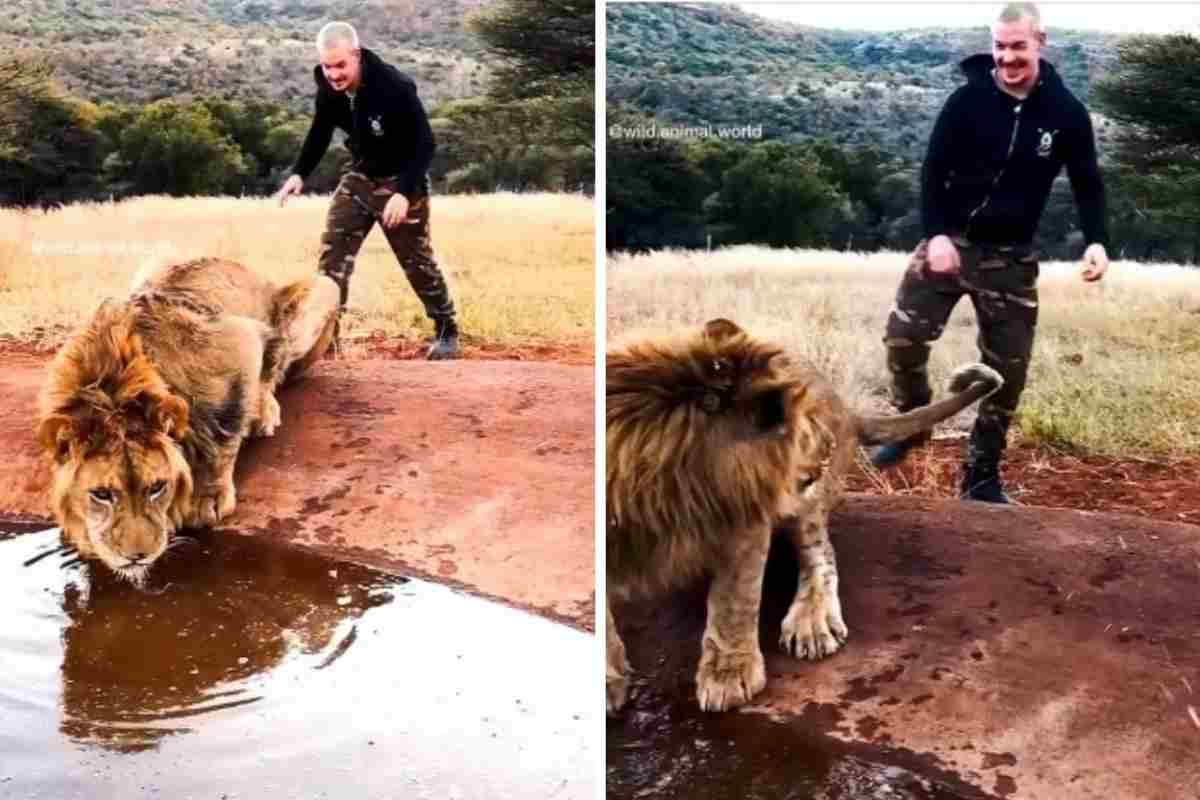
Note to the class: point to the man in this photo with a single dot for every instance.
(996, 148)
(392, 145)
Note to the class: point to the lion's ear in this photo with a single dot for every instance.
(169, 414)
(55, 434)
(721, 328)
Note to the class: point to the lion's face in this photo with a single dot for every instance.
(122, 505)
(120, 485)
(718, 426)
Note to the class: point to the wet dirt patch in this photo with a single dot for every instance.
(1022, 676)
(662, 746)
(250, 669)
(668, 749)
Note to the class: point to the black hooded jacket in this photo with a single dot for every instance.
(993, 158)
(389, 133)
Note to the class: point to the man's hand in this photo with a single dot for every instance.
(396, 211)
(293, 185)
(943, 256)
(1095, 262)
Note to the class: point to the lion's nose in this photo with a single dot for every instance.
(136, 557)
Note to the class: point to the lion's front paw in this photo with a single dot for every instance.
(203, 513)
(269, 417)
(726, 680)
(616, 690)
(209, 509)
(616, 679)
(813, 627)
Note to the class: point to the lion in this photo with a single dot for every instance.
(714, 440)
(144, 410)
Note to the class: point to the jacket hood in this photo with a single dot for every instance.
(978, 69)
(371, 62)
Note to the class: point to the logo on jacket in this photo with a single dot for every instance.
(376, 125)
(1046, 142)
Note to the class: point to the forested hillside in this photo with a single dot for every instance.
(113, 50)
(718, 64)
(839, 121)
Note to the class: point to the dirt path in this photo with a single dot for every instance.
(479, 474)
(994, 652)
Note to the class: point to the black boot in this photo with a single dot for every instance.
(445, 340)
(889, 455)
(982, 482)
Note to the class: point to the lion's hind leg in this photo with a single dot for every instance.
(731, 668)
(813, 627)
(269, 414)
(305, 315)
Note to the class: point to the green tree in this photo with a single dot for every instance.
(545, 45)
(21, 79)
(655, 191)
(249, 124)
(1154, 93)
(780, 195)
(50, 146)
(546, 71)
(177, 149)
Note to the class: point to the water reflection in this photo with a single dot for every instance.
(248, 668)
(138, 664)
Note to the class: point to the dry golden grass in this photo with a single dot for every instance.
(1116, 366)
(520, 266)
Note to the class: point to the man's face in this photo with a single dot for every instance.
(1015, 49)
(342, 66)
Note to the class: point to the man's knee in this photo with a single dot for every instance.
(907, 361)
(1010, 357)
(906, 355)
(914, 323)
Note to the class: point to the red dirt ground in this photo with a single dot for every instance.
(43, 342)
(474, 473)
(1001, 652)
(1033, 476)
(1036, 477)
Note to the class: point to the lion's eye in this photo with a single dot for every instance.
(156, 489)
(102, 495)
(806, 481)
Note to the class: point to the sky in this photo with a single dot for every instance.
(1119, 17)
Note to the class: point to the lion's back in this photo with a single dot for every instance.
(217, 284)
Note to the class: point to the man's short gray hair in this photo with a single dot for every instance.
(1015, 12)
(336, 33)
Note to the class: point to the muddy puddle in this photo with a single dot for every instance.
(665, 749)
(249, 670)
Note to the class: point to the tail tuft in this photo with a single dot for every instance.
(969, 374)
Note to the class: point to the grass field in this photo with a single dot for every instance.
(1116, 366)
(520, 267)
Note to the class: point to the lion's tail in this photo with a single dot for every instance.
(970, 383)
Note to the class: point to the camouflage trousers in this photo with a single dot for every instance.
(356, 205)
(1002, 284)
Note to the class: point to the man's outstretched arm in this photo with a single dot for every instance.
(1083, 170)
(320, 134)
